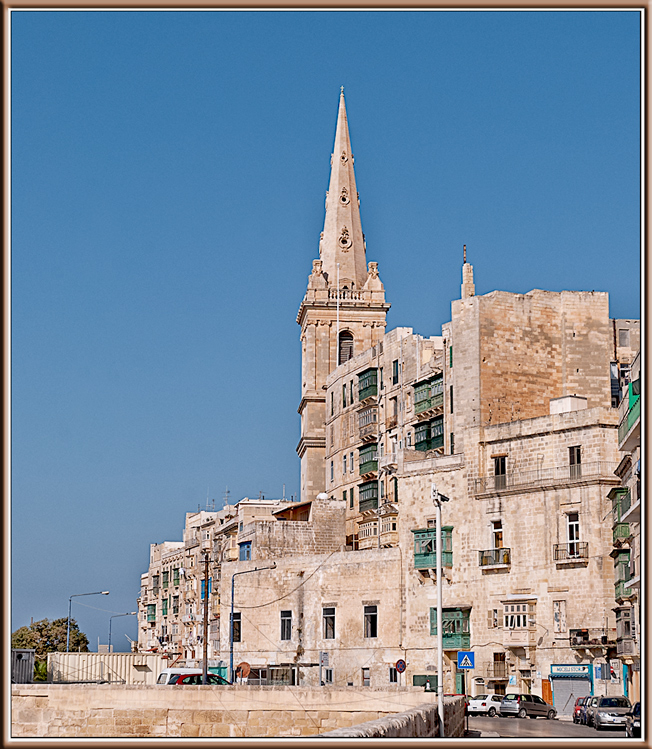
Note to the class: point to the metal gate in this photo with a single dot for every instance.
(566, 690)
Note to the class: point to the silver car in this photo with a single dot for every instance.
(526, 705)
(611, 711)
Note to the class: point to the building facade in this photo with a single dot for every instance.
(512, 412)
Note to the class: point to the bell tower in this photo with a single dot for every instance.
(343, 311)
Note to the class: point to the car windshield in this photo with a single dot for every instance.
(614, 702)
(161, 679)
(511, 696)
(480, 697)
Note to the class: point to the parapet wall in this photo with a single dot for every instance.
(120, 711)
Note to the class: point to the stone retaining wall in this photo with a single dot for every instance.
(120, 711)
(419, 723)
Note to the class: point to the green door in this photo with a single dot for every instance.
(459, 682)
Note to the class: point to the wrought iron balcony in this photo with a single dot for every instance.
(572, 551)
(495, 557)
(554, 476)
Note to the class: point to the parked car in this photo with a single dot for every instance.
(611, 711)
(199, 679)
(588, 711)
(633, 724)
(484, 704)
(577, 710)
(526, 705)
(170, 675)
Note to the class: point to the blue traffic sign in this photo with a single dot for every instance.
(465, 659)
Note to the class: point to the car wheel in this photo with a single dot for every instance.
(551, 714)
(491, 712)
(522, 713)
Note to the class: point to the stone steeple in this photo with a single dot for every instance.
(342, 239)
(338, 320)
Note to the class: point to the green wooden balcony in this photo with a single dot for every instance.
(621, 531)
(369, 466)
(628, 422)
(368, 504)
(435, 401)
(425, 548)
(622, 593)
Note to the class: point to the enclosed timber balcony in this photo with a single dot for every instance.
(425, 546)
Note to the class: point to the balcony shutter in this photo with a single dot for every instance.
(490, 619)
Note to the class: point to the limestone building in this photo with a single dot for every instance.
(511, 410)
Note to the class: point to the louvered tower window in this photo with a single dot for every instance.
(345, 347)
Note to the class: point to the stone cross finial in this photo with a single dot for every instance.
(342, 90)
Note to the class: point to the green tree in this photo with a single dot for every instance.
(47, 636)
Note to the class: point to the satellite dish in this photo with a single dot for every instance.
(243, 669)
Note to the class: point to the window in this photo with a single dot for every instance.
(210, 579)
(494, 618)
(351, 462)
(371, 621)
(164, 607)
(559, 616)
(175, 576)
(455, 626)
(166, 576)
(395, 372)
(328, 615)
(623, 337)
(518, 615)
(236, 627)
(497, 534)
(500, 472)
(175, 604)
(450, 397)
(393, 675)
(332, 471)
(345, 346)
(286, 625)
(450, 357)
(409, 439)
(394, 406)
(366, 678)
(343, 396)
(452, 444)
(575, 461)
(351, 498)
(328, 676)
(245, 551)
(351, 392)
(573, 530)
(332, 404)
(344, 463)
(151, 612)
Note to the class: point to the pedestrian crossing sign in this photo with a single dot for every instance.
(465, 659)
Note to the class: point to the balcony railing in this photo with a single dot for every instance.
(544, 476)
(388, 460)
(621, 531)
(571, 551)
(495, 557)
(497, 670)
(344, 294)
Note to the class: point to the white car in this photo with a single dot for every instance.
(485, 704)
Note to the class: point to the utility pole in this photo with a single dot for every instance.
(438, 498)
(205, 664)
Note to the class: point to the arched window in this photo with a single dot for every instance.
(345, 347)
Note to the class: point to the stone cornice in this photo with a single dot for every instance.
(308, 441)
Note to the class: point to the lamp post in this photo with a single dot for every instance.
(205, 623)
(438, 498)
(77, 595)
(243, 572)
(129, 613)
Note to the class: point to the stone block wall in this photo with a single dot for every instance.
(110, 711)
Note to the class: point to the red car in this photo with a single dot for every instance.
(198, 679)
(577, 710)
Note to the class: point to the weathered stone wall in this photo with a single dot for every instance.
(419, 723)
(53, 710)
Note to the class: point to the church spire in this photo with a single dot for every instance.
(342, 240)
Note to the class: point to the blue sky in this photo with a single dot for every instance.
(168, 181)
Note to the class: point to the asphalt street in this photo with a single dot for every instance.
(537, 728)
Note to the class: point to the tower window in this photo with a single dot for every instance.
(345, 347)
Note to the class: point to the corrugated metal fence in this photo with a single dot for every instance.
(116, 668)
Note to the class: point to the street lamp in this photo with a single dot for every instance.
(244, 572)
(438, 498)
(77, 595)
(129, 613)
